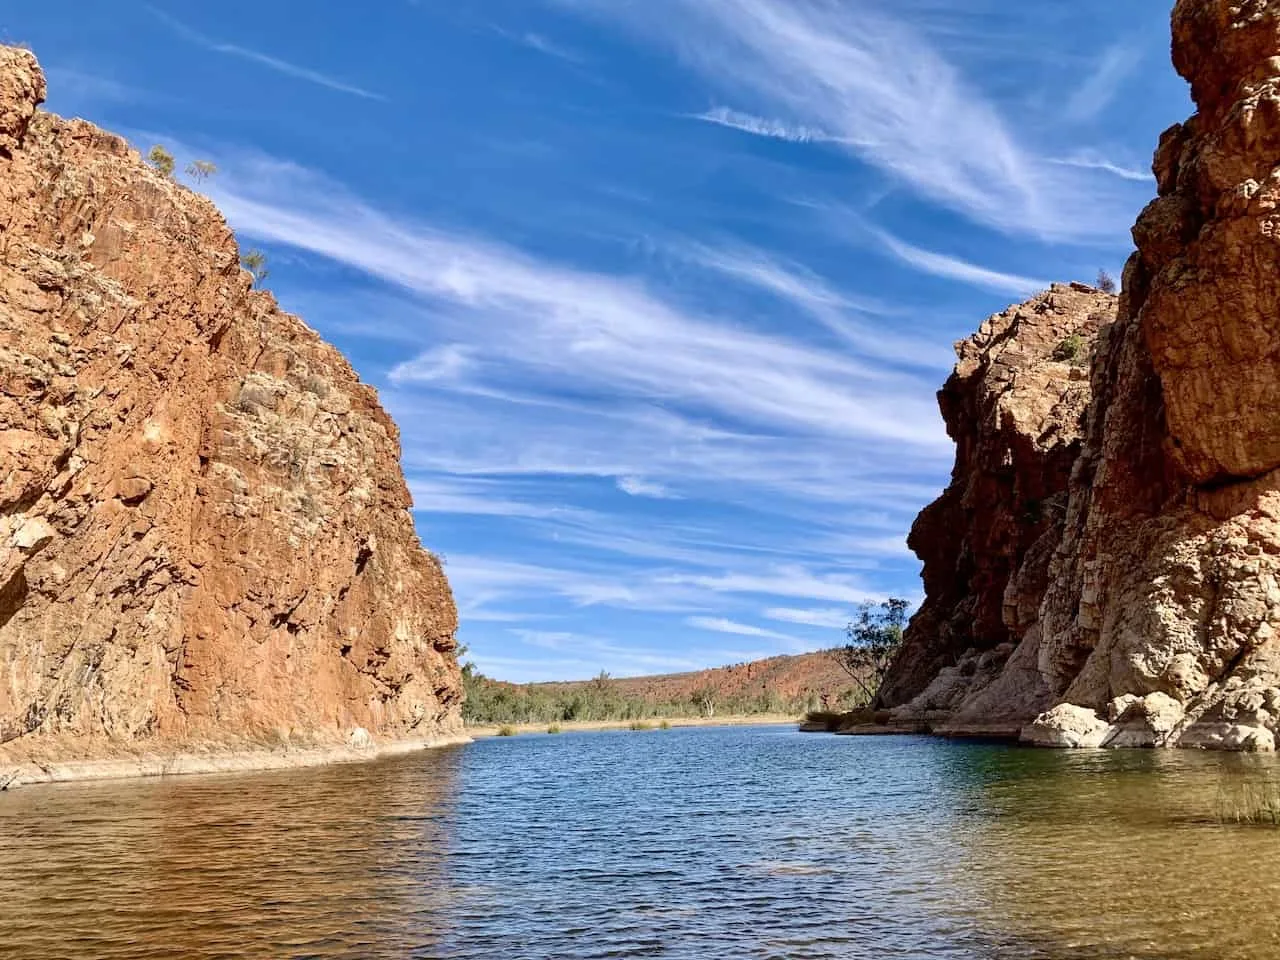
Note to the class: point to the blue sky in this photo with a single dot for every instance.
(659, 291)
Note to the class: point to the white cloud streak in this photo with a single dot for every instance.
(841, 314)
(723, 625)
(596, 331)
(827, 618)
(953, 268)
(1099, 89)
(763, 127)
(262, 59)
(476, 497)
(536, 41)
(783, 581)
(1088, 160)
(880, 88)
(639, 487)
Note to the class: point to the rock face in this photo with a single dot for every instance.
(1015, 407)
(204, 530)
(1157, 623)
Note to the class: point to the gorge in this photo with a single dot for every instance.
(208, 554)
(206, 548)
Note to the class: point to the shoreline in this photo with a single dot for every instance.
(485, 730)
(31, 772)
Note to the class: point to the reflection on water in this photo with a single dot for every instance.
(1117, 854)
(682, 843)
(343, 861)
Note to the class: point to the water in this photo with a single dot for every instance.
(747, 842)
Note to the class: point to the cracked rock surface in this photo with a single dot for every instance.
(205, 537)
(1150, 616)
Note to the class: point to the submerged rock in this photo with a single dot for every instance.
(204, 529)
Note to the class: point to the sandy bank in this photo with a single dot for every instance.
(576, 726)
(28, 771)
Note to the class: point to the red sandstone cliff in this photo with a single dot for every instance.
(1015, 407)
(205, 540)
(1157, 625)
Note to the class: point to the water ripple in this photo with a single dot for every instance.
(753, 843)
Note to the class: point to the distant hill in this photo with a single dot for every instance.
(794, 684)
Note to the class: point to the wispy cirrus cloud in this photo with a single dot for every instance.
(763, 127)
(542, 44)
(640, 487)
(537, 41)
(786, 580)
(601, 332)
(1091, 160)
(1117, 63)
(953, 268)
(262, 59)
(864, 323)
(481, 581)
(733, 627)
(864, 76)
(827, 617)
(479, 497)
(559, 655)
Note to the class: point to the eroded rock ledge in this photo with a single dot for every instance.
(1146, 615)
(205, 541)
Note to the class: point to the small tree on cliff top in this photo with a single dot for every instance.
(874, 639)
(1105, 283)
(201, 170)
(162, 160)
(255, 261)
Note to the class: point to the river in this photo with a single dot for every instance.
(688, 843)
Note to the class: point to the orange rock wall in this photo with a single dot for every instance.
(1159, 624)
(205, 534)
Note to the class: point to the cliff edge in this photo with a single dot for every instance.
(1156, 622)
(205, 538)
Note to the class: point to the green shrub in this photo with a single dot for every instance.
(490, 702)
(665, 725)
(506, 730)
(554, 728)
(1070, 350)
(162, 160)
(641, 725)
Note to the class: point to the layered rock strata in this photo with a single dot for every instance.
(1157, 622)
(205, 541)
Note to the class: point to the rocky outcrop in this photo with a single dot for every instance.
(1158, 622)
(205, 540)
(1015, 407)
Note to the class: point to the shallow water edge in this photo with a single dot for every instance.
(184, 763)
